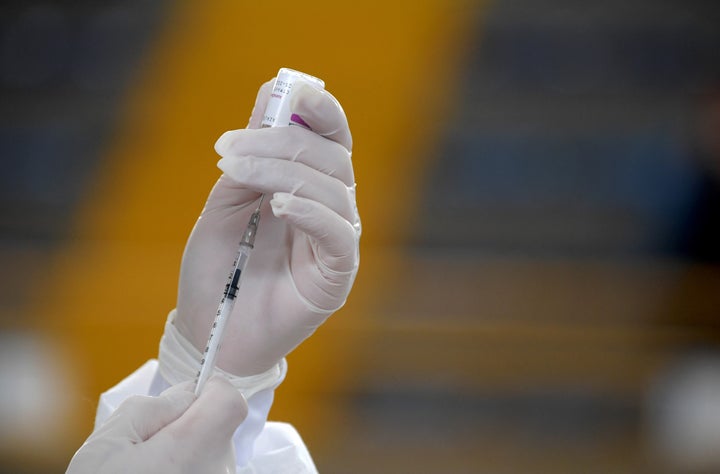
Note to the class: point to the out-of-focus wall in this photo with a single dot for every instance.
(109, 278)
(538, 183)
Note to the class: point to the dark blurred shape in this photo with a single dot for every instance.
(36, 46)
(538, 418)
(700, 240)
(64, 66)
(574, 134)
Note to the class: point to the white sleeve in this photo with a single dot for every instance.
(277, 448)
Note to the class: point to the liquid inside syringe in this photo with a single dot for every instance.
(227, 303)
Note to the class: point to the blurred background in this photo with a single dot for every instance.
(540, 280)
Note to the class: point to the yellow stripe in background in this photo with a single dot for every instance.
(392, 66)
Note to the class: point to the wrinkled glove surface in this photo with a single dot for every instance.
(173, 433)
(306, 251)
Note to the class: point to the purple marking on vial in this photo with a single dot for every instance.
(299, 121)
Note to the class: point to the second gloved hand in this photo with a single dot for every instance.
(172, 434)
(306, 251)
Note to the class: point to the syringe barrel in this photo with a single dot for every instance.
(221, 318)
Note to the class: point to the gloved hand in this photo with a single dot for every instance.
(306, 251)
(172, 433)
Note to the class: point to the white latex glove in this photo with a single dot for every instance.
(306, 251)
(172, 433)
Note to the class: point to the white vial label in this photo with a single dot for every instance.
(277, 112)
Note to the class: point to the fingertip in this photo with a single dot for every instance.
(222, 143)
(322, 112)
(186, 386)
(235, 167)
(279, 203)
(216, 413)
(181, 395)
(148, 414)
(180, 399)
(226, 398)
(222, 164)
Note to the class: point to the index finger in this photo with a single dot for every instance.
(214, 416)
(322, 112)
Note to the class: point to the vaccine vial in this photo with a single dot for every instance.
(277, 112)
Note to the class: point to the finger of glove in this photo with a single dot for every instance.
(269, 175)
(291, 144)
(227, 193)
(139, 417)
(336, 237)
(261, 101)
(213, 418)
(322, 112)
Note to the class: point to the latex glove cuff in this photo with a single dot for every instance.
(179, 361)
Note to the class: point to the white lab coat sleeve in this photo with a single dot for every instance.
(278, 448)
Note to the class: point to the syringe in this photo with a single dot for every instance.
(227, 303)
(277, 114)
